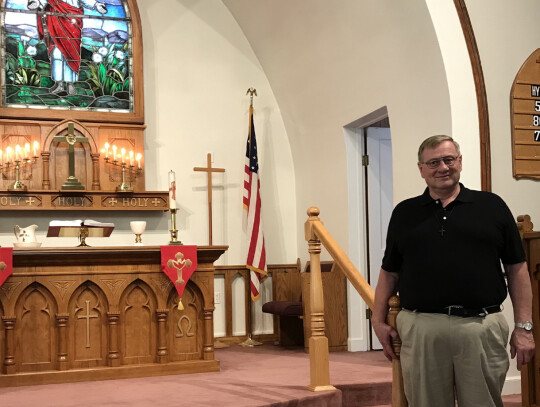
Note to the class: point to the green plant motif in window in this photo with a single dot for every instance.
(108, 72)
(22, 70)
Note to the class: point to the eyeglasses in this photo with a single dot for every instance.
(448, 161)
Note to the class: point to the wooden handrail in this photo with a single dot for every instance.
(339, 256)
(316, 234)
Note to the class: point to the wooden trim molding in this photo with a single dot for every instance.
(481, 96)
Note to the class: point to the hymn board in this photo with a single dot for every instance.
(525, 119)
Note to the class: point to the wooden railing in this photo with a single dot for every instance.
(316, 234)
(285, 287)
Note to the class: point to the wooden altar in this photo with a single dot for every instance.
(95, 313)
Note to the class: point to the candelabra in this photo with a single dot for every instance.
(20, 160)
(120, 160)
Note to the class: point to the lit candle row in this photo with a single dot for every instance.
(21, 154)
(123, 156)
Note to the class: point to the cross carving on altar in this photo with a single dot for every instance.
(72, 183)
(87, 317)
(209, 170)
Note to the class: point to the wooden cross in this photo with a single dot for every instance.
(72, 182)
(209, 170)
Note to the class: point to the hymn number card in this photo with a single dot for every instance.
(525, 119)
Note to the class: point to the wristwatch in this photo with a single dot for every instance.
(527, 325)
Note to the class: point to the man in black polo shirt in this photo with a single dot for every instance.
(444, 251)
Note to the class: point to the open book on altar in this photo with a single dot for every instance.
(71, 228)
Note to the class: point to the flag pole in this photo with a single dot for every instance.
(250, 342)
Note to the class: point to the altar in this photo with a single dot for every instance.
(95, 313)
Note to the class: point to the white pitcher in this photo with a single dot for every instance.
(25, 235)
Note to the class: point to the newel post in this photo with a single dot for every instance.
(398, 394)
(318, 342)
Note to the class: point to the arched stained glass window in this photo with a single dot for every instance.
(74, 55)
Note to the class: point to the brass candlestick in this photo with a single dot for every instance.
(83, 234)
(127, 169)
(17, 185)
(124, 186)
(174, 231)
(17, 165)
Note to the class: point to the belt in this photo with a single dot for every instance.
(460, 311)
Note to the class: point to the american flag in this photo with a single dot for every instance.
(256, 256)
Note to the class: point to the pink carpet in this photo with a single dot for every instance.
(262, 376)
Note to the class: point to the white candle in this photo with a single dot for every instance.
(172, 190)
(1, 162)
(26, 150)
(8, 154)
(114, 152)
(17, 152)
(36, 147)
(131, 158)
(107, 151)
(123, 153)
(138, 158)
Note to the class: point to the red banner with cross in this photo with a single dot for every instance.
(179, 263)
(6, 263)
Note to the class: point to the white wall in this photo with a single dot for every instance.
(329, 66)
(463, 102)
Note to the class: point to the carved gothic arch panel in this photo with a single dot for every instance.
(138, 325)
(88, 307)
(187, 325)
(35, 329)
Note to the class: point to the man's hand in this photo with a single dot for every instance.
(385, 333)
(521, 346)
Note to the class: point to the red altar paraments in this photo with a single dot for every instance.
(6, 263)
(179, 263)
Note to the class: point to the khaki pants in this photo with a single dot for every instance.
(445, 357)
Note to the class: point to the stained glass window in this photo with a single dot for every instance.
(67, 55)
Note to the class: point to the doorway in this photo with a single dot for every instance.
(369, 167)
(379, 202)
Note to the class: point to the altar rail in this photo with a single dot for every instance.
(285, 287)
(316, 234)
